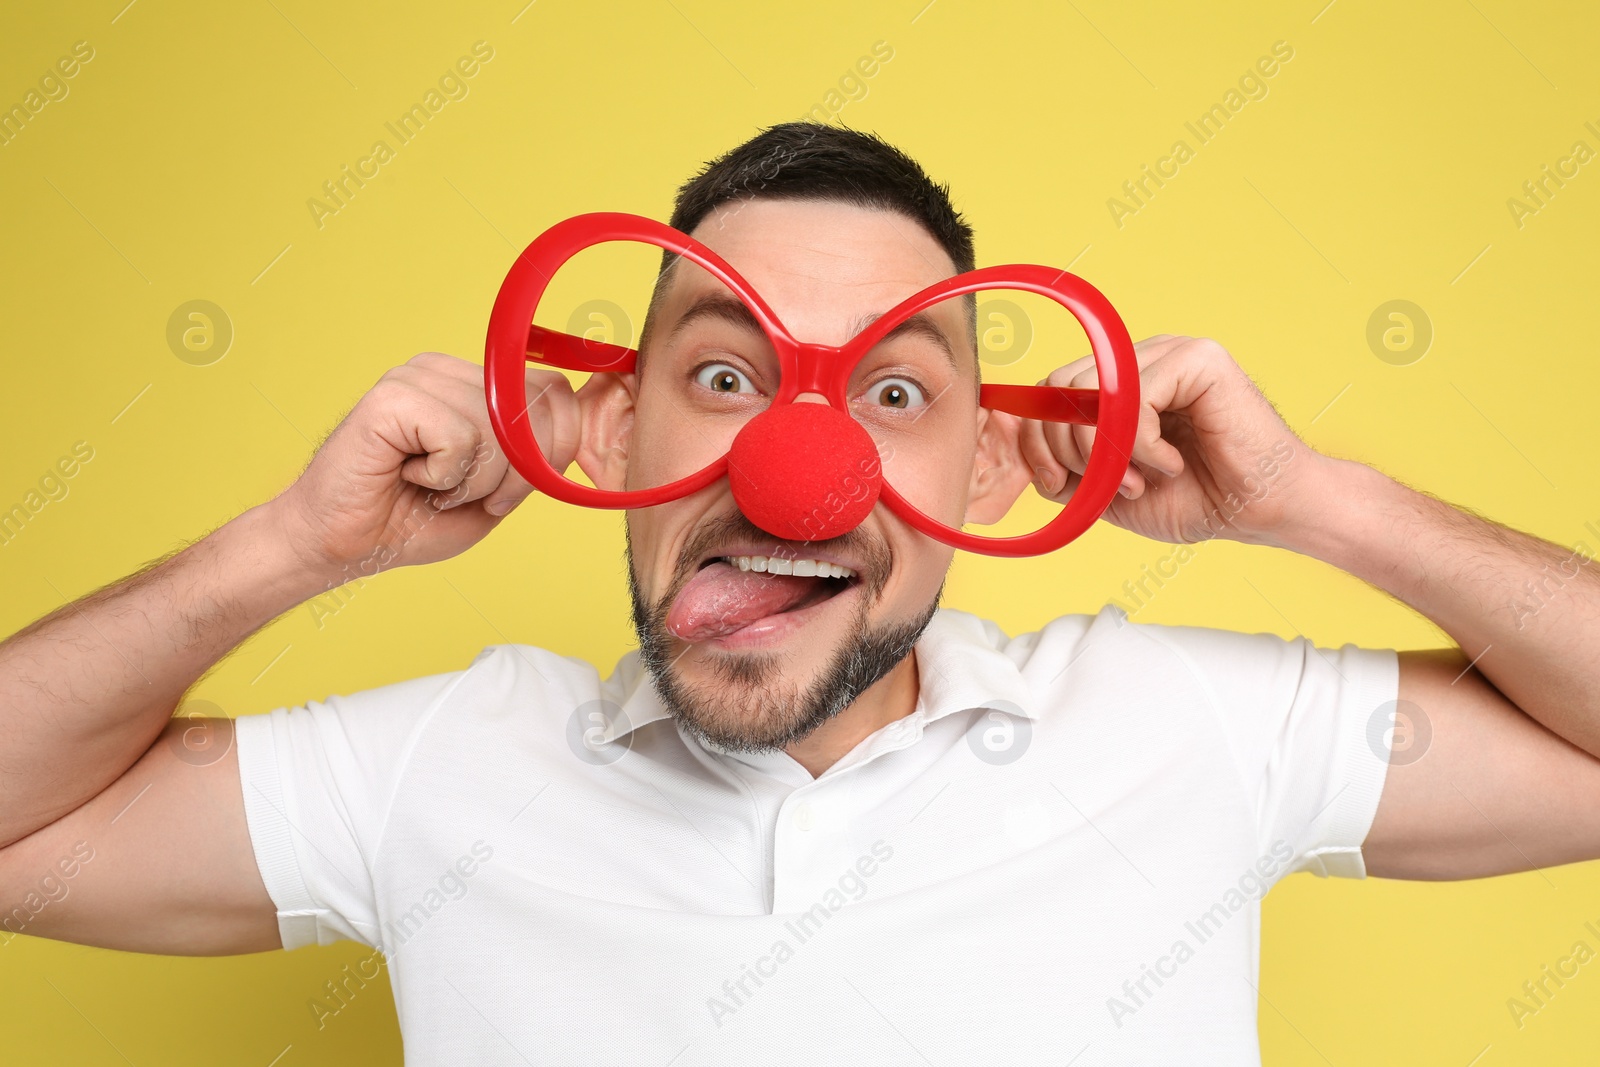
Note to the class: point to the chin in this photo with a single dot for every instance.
(752, 701)
(756, 642)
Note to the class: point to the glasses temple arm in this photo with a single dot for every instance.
(1047, 403)
(570, 352)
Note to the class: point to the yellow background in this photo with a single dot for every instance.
(1377, 168)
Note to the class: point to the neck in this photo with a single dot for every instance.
(892, 697)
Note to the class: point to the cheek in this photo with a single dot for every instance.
(649, 532)
(933, 469)
(668, 443)
(920, 565)
(659, 534)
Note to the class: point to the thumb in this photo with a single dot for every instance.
(555, 416)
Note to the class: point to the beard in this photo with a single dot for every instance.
(747, 705)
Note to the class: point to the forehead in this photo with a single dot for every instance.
(822, 266)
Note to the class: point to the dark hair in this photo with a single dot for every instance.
(813, 161)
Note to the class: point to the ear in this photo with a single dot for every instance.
(999, 473)
(606, 403)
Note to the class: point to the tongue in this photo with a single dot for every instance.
(721, 599)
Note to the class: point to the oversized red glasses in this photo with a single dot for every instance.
(810, 436)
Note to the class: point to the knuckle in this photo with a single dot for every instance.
(429, 360)
(1064, 375)
(390, 391)
(395, 374)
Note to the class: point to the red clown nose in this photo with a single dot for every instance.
(805, 472)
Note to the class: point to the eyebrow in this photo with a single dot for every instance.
(723, 307)
(919, 325)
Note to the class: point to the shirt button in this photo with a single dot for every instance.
(802, 816)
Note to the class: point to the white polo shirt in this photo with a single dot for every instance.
(1056, 858)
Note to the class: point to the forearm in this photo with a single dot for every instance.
(1524, 610)
(85, 690)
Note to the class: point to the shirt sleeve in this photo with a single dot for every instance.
(1310, 729)
(318, 783)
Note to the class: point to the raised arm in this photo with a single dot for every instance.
(122, 827)
(1494, 768)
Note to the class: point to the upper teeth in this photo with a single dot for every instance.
(804, 567)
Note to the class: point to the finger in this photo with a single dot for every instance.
(442, 443)
(511, 490)
(1154, 339)
(553, 415)
(1050, 474)
(442, 364)
(1082, 443)
(1066, 373)
(488, 472)
(481, 475)
(1053, 479)
(1084, 373)
(1062, 444)
(1072, 446)
(456, 454)
(1134, 481)
(451, 383)
(1198, 378)
(557, 416)
(1151, 453)
(1195, 370)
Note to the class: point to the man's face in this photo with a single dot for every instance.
(755, 660)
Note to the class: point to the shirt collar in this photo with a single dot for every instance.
(960, 665)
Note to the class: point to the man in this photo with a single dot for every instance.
(864, 829)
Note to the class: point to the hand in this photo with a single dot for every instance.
(414, 473)
(1212, 457)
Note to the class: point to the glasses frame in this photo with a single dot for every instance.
(514, 341)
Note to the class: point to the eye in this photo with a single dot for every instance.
(721, 378)
(896, 393)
